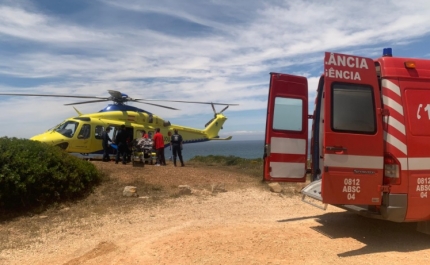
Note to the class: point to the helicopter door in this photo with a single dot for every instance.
(353, 135)
(83, 138)
(286, 140)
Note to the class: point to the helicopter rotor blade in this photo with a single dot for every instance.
(185, 101)
(157, 105)
(85, 102)
(47, 95)
(119, 98)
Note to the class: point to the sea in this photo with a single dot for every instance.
(245, 149)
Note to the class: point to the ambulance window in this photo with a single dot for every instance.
(287, 114)
(353, 109)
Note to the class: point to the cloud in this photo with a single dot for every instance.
(19, 23)
(219, 51)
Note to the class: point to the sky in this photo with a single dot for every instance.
(212, 51)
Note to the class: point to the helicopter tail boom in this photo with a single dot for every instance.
(214, 126)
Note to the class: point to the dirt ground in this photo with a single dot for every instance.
(230, 218)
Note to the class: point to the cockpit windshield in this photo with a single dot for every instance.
(55, 127)
(68, 128)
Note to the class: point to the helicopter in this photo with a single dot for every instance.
(81, 135)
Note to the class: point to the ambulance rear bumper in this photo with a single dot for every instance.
(393, 206)
(393, 209)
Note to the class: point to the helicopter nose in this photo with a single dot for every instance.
(50, 138)
(43, 137)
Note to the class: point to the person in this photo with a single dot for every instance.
(159, 147)
(121, 141)
(176, 144)
(129, 146)
(105, 143)
(142, 141)
(144, 134)
(145, 144)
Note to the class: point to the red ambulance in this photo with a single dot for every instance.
(370, 138)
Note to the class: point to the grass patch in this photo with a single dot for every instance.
(251, 167)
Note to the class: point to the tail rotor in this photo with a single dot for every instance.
(226, 107)
(213, 107)
(216, 113)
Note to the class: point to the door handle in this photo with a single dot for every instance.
(336, 148)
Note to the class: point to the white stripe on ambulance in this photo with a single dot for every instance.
(280, 145)
(419, 163)
(396, 143)
(352, 161)
(391, 86)
(396, 124)
(287, 170)
(392, 104)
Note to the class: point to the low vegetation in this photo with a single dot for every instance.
(34, 175)
(252, 167)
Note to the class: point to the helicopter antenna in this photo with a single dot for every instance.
(79, 113)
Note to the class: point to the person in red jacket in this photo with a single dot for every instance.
(159, 147)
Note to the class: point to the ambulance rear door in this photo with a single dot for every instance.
(353, 135)
(286, 140)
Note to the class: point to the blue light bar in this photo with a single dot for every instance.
(387, 52)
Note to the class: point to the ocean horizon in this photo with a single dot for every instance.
(249, 149)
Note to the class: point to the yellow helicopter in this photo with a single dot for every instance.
(81, 135)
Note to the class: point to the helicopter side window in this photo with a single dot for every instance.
(150, 118)
(99, 131)
(85, 132)
(68, 128)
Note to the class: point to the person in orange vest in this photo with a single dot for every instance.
(159, 147)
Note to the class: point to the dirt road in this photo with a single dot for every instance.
(248, 225)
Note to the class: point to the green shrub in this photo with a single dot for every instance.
(34, 174)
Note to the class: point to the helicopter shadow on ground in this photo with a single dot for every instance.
(377, 235)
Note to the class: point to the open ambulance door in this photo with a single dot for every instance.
(286, 140)
(352, 144)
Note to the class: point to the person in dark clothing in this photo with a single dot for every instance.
(176, 144)
(129, 146)
(105, 143)
(121, 141)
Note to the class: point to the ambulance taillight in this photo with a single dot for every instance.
(391, 170)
